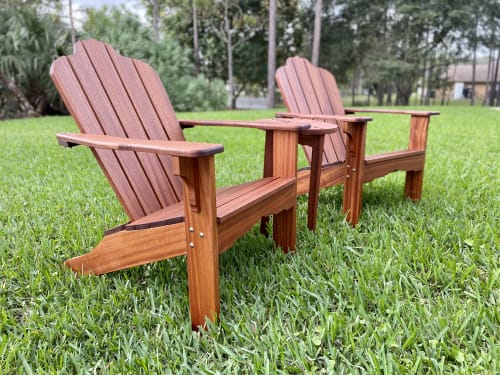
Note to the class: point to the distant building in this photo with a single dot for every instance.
(460, 76)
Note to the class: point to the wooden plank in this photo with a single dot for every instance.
(160, 100)
(394, 111)
(202, 238)
(230, 201)
(393, 155)
(322, 105)
(75, 98)
(353, 183)
(173, 148)
(411, 162)
(285, 165)
(120, 119)
(167, 186)
(233, 228)
(242, 199)
(127, 249)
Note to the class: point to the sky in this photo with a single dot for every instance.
(132, 5)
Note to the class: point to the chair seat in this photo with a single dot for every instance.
(393, 156)
(229, 201)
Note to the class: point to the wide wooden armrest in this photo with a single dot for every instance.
(173, 148)
(392, 111)
(265, 124)
(307, 116)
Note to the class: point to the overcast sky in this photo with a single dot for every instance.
(133, 5)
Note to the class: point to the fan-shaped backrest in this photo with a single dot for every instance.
(311, 90)
(114, 95)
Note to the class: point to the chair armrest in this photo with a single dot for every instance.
(265, 124)
(172, 148)
(349, 119)
(392, 111)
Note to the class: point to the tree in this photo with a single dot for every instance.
(235, 28)
(39, 37)
(154, 9)
(271, 54)
(317, 32)
(124, 31)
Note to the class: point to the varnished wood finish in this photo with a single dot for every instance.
(312, 93)
(165, 184)
(202, 236)
(125, 249)
(173, 148)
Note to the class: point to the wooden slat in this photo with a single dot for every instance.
(120, 119)
(230, 202)
(103, 106)
(379, 166)
(252, 196)
(127, 249)
(393, 155)
(173, 148)
(332, 92)
(305, 89)
(75, 98)
(151, 126)
(160, 101)
(295, 99)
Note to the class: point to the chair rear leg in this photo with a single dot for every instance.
(353, 183)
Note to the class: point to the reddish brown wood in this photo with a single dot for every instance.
(202, 237)
(316, 143)
(285, 165)
(354, 168)
(165, 184)
(312, 93)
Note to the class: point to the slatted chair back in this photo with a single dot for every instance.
(308, 89)
(114, 95)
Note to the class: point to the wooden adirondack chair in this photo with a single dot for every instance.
(339, 158)
(165, 184)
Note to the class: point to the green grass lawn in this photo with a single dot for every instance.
(414, 288)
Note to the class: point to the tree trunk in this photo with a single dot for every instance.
(488, 78)
(389, 95)
(424, 87)
(493, 92)
(71, 22)
(24, 103)
(430, 86)
(271, 54)
(317, 33)
(196, 39)
(353, 87)
(229, 43)
(473, 90)
(380, 93)
(155, 14)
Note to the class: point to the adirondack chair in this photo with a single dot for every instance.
(339, 158)
(165, 184)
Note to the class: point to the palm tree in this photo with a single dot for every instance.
(29, 42)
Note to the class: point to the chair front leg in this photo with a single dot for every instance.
(355, 161)
(198, 175)
(284, 153)
(419, 126)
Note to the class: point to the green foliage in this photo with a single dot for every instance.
(30, 40)
(124, 32)
(415, 288)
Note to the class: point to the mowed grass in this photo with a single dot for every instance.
(413, 289)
